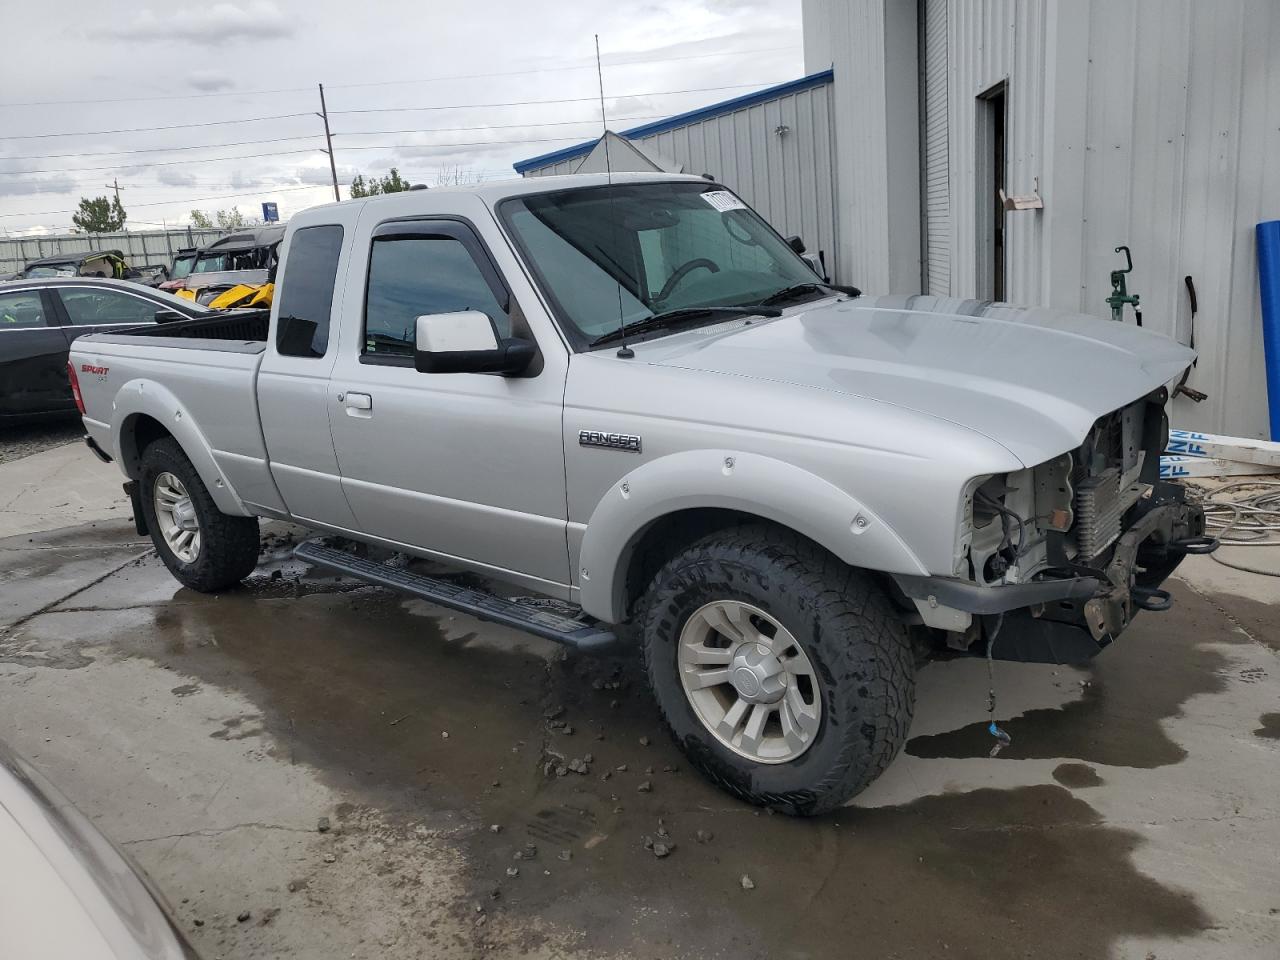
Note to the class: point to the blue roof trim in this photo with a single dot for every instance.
(681, 120)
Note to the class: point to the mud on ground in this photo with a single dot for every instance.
(371, 776)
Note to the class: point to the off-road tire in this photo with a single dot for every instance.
(848, 628)
(229, 545)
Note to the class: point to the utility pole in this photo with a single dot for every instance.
(328, 139)
(115, 185)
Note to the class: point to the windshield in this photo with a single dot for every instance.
(254, 258)
(52, 270)
(657, 247)
(182, 266)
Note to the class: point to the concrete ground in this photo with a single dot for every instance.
(1136, 813)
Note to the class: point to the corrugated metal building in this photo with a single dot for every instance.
(1152, 123)
(774, 148)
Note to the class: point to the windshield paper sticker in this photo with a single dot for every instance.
(723, 200)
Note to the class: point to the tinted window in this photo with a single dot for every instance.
(91, 307)
(413, 276)
(18, 310)
(307, 291)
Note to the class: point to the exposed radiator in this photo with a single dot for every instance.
(1098, 511)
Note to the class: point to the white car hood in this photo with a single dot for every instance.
(1033, 380)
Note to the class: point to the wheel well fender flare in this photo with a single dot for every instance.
(142, 398)
(747, 483)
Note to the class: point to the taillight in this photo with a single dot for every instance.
(75, 387)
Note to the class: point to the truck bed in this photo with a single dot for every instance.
(248, 326)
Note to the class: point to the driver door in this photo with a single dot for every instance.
(467, 466)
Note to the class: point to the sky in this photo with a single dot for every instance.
(437, 90)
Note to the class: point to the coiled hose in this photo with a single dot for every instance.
(1244, 513)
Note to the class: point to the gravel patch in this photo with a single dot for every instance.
(18, 440)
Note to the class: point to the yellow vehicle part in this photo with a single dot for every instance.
(243, 295)
(185, 294)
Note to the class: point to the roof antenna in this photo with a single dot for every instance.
(624, 351)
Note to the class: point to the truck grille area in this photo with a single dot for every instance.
(1098, 508)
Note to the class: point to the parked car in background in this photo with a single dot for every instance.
(65, 890)
(94, 263)
(180, 269)
(243, 259)
(40, 318)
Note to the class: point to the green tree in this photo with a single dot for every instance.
(99, 215)
(230, 219)
(201, 219)
(391, 183)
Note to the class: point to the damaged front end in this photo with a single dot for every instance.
(1060, 557)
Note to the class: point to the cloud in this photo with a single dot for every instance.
(211, 26)
(174, 178)
(20, 186)
(208, 81)
(320, 176)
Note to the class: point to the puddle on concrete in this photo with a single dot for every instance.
(1269, 726)
(1142, 678)
(1077, 775)
(363, 691)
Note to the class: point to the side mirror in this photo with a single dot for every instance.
(814, 260)
(796, 244)
(467, 342)
(165, 315)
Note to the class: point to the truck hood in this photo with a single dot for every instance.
(1033, 380)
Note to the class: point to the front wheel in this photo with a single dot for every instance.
(784, 675)
(204, 548)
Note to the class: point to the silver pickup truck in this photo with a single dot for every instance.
(633, 397)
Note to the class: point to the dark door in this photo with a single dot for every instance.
(33, 356)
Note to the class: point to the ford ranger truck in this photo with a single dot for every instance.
(630, 395)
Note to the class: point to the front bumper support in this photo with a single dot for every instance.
(1068, 619)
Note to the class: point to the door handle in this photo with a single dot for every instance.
(358, 404)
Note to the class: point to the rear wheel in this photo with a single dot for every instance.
(785, 676)
(204, 548)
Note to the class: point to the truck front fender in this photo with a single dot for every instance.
(726, 479)
(147, 398)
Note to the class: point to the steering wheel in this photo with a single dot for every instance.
(683, 271)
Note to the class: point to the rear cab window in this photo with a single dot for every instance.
(306, 300)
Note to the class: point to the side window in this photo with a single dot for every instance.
(19, 311)
(307, 291)
(92, 307)
(410, 276)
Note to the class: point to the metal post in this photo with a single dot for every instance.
(328, 139)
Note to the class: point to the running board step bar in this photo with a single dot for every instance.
(580, 632)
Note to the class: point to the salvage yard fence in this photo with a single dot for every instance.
(139, 246)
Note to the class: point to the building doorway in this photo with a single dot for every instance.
(992, 157)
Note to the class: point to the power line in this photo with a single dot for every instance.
(529, 103)
(310, 136)
(164, 163)
(166, 203)
(286, 153)
(117, 153)
(175, 126)
(451, 106)
(388, 83)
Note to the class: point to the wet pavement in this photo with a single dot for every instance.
(487, 793)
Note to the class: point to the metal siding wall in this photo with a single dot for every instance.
(139, 247)
(789, 180)
(937, 182)
(1154, 123)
